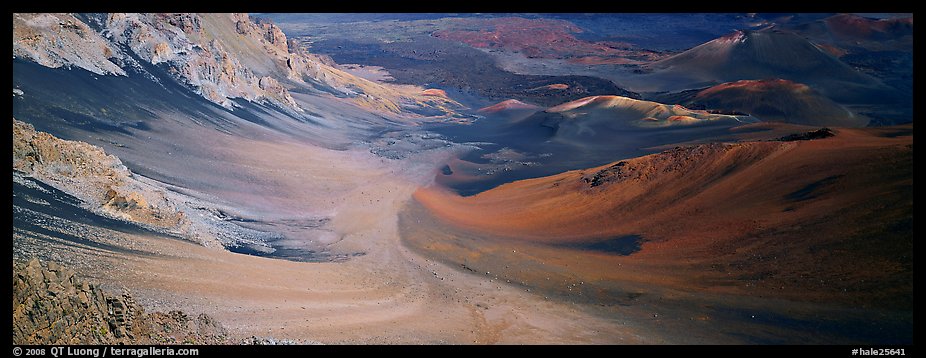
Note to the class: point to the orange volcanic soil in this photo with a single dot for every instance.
(757, 86)
(544, 38)
(833, 50)
(555, 87)
(599, 60)
(434, 92)
(824, 220)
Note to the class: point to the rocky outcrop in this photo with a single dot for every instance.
(817, 134)
(53, 305)
(106, 187)
(272, 87)
(87, 172)
(274, 36)
(56, 40)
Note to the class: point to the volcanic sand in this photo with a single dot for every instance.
(386, 295)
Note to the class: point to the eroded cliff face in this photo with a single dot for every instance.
(220, 56)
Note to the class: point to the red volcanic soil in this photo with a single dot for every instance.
(434, 92)
(823, 220)
(756, 86)
(861, 28)
(543, 38)
(833, 50)
(778, 100)
(508, 105)
(552, 87)
(598, 60)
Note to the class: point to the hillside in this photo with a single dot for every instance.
(707, 218)
(767, 53)
(777, 100)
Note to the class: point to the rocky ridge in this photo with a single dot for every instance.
(220, 56)
(199, 56)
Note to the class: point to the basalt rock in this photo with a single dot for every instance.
(817, 134)
(53, 305)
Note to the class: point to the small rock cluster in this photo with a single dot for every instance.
(616, 172)
(679, 159)
(817, 134)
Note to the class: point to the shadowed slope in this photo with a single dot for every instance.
(778, 100)
(528, 143)
(599, 119)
